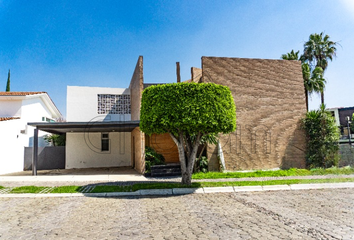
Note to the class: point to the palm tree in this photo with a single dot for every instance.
(313, 82)
(317, 51)
(291, 55)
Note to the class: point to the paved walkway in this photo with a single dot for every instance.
(303, 214)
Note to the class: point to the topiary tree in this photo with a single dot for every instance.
(323, 137)
(188, 112)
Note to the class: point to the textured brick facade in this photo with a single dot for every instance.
(163, 144)
(270, 101)
(196, 74)
(136, 89)
(138, 143)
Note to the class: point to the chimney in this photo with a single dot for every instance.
(178, 72)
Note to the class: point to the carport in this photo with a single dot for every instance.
(86, 127)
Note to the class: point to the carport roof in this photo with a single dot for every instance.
(64, 127)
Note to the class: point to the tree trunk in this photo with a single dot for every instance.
(186, 161)
(322, 97)
(186, 178)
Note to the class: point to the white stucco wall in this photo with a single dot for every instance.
(16, 134)
(83, 150)
(82, 104)
(11, 147)
(10, 108)
(33, 109)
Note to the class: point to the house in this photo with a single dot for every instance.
(16, 110)
(341, 115)
(103, 123)
(102, 128)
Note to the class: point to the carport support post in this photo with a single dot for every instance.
(35, 152)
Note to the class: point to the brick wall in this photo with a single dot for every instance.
(138, 142)
(138, 150)
(163, 144)
(196, 74)
(270, 101)
(136, 88)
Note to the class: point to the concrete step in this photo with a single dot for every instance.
(166, 170)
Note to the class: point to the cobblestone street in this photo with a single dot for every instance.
(310, 214)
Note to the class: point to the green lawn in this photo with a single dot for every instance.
(27, 189)
(139, 186)
(110, 188)
(277, 173)
(276, 182)
(1, 187)
(66, 189)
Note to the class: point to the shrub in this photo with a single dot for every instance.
(152, 158)
(201, 164)
(322, 139)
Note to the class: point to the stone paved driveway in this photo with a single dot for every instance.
(311, 214)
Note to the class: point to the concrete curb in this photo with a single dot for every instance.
(218, 189)
(248, 189)
(180, 191)
(147, 192)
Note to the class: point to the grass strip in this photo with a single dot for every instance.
(27, 189)
(277, 173)
(66, 189)
(140, 186)
(1, 187)
(100, 189)
(276, 182)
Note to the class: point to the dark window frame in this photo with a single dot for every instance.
(105, 142)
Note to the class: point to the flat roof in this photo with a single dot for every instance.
(64, 127)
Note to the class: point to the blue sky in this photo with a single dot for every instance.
(51, 44)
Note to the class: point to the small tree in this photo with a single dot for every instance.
(8, 82)
(188, 112)
(56, 140)
(352, 125)
(323, 137)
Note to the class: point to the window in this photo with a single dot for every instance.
(105, 142)
(45, 119)
(113, 104)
